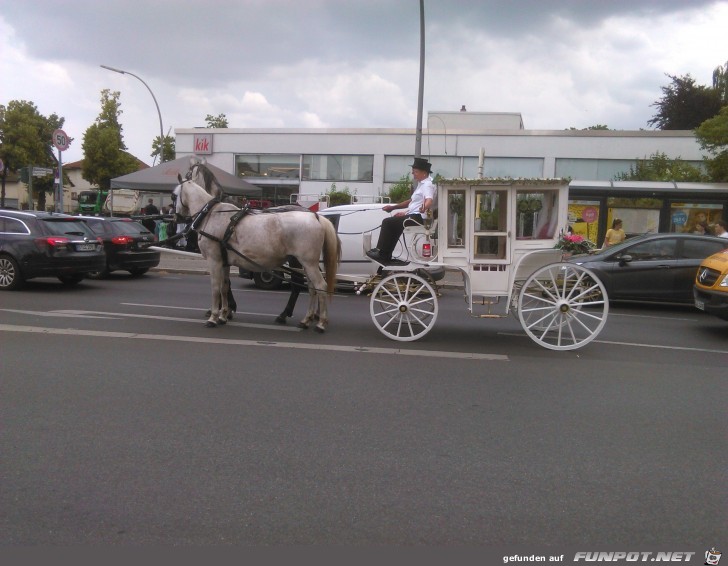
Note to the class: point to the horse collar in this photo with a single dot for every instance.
(200, 216)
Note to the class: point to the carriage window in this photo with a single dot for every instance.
(536, 214)
(490, 224)
(491, 209)
(456, 219)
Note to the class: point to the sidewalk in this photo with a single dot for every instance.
(176, 262)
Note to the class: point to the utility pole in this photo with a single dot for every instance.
(418, 134)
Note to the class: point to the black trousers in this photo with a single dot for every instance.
(392, 229)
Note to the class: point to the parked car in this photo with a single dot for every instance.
(125, 244)
(711, 285)
(652, 267)
(42, 244)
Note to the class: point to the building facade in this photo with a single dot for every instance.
(367, 162)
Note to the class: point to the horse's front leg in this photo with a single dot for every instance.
(218, 297)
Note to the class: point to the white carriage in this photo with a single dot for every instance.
(501, 237)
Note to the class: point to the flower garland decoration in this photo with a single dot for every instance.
(574, 243)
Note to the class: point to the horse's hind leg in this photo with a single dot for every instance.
(288, 311)
(317, 307)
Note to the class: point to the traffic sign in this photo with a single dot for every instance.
(61, 140)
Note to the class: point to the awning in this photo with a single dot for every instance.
(163, 179)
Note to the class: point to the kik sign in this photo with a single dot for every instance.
(203, 144)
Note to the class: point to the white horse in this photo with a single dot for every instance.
(260, 241)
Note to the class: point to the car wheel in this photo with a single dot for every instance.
(138, 271)
(267, 281)
(10, 277)
(70, 279)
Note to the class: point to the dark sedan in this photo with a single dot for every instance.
(43, 244)
(652, 267)
(125, 242)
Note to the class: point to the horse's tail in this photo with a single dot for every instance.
(331, 252)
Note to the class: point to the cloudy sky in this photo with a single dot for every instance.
(352, 63)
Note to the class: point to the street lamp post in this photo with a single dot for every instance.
(161, 129)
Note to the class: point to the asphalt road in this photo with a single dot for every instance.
(126, 422)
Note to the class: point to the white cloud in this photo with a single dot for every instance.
(281, 63)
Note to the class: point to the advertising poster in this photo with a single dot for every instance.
(584, 219)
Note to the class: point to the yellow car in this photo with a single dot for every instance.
(711, 285)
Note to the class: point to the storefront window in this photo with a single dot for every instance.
(583, 218)
(274, 166)
(694, 218)
(638, 215)
(504, 167)
(338, 167)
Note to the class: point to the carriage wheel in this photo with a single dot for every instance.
(563, 306)
(403, 306)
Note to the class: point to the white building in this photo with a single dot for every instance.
(368, 161)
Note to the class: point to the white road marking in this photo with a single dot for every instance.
(177, 319)
(635, 344)
(259, 343)
(66, 314)
(193, 309)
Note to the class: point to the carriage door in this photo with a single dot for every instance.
(490, 229)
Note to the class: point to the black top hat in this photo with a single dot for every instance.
(422, 164)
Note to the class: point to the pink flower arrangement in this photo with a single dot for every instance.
(574, 243)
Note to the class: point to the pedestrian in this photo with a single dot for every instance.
(150, 210)
(415, 208)
(615, 234)
(721, 228)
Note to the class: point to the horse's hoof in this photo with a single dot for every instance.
(281, 319)
(210, 324)
(303, 325)
(222, 321)
(319, 329)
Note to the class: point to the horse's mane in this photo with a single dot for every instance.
(209, 179)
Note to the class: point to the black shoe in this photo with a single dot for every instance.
(376, 255)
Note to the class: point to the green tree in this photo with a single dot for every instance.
(169, 148)
(105, 155)
(659, 167)
(25, 139)
(712, 135)
(401, 190)
(595, 127)
(685, 105)
(337, 197)
(720, 82)
(219, 121)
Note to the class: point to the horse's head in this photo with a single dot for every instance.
(181, 209)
